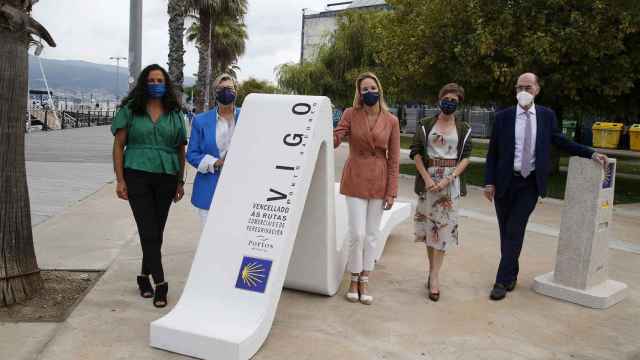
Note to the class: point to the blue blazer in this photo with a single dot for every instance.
(202, 142)
(499, 166)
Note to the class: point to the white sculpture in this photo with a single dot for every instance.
(277, 189)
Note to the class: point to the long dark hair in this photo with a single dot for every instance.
(137, 98)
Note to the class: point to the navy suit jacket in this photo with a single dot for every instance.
(499, 166)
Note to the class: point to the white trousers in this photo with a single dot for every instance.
(203, 216)
(364, 224)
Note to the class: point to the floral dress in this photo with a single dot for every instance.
(436, 218)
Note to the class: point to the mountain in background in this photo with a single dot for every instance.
(77, 78)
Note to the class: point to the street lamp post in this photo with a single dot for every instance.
(117, 59)
(135, 41)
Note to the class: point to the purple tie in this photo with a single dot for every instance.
(525, 168)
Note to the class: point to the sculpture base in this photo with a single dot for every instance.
(600, 296)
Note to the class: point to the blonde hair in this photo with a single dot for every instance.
(357, 99)
(223, 77)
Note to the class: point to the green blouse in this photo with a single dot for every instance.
(151, 147)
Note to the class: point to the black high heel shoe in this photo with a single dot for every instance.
(144, 285)
(160, 297)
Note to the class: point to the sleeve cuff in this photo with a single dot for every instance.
(205, 163)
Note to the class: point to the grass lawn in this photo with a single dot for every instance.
(627, 191)
(405, 141)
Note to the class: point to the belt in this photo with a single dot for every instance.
(152, 147)
(442, 163)
(377, 154)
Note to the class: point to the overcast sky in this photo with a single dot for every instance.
(94, 30)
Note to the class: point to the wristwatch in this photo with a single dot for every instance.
(181, 181)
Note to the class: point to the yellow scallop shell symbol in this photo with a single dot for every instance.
(253, 274)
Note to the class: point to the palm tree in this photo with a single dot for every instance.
(228, 40)
(177, 11)
(209, 12)
(228, 43)
(19, 273)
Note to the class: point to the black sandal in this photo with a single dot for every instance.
(160, 298)
(434, 296)
(144, 285)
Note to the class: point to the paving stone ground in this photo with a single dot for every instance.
(89, 228)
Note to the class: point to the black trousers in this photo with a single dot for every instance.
(513, 210)
(150, 197)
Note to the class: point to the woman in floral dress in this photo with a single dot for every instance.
(441, 148)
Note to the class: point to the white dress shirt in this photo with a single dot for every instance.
(521, 119)
(224, 132)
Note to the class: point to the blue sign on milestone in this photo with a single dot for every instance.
(253, 274)
(608, 176)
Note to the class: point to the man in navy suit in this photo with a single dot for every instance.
(517, 170)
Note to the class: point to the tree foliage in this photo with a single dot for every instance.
(350, 51)
(586, 53)
(210, 13)
(253, 85)
(228, 42)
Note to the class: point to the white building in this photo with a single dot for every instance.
(317, 27)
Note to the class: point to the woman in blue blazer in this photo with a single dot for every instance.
(211, 134)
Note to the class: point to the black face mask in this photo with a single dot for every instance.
(225, 96)
(371, 98)
(448, 107)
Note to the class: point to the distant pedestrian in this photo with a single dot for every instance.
(517, 170)
(191, 113)
(441, 148)
(148, 159)
(211, 134)
(369, 178)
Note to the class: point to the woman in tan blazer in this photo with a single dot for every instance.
(369, 178)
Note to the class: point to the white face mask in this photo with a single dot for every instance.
(524, 98)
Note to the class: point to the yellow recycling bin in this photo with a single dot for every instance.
(606, 134)
(634, 137)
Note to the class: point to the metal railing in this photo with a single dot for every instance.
(75, 119)
(481, 119)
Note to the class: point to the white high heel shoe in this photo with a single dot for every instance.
(365, 298)
(353, 296)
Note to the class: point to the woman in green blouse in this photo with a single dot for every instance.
(148, 159)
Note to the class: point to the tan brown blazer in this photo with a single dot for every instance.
(371, 170)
